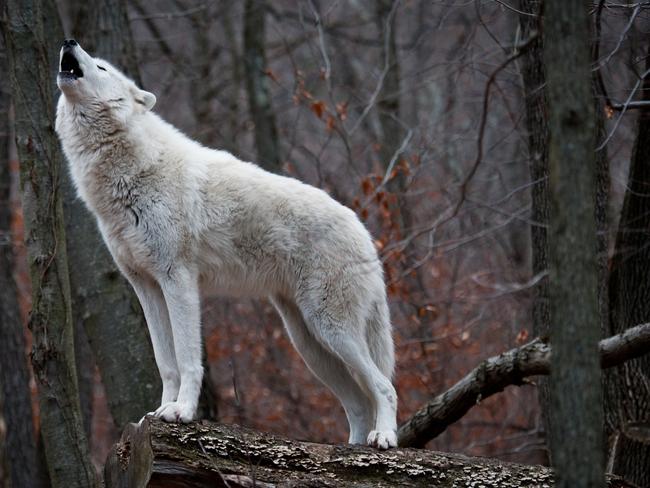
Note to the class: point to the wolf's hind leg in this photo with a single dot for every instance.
(155, 312)
(349, 343)
(330, 370)
(354, 352)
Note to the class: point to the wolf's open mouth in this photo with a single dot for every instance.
(70, 66)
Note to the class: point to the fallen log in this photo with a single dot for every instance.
(208, 454)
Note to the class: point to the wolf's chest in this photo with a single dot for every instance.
(121, 217)
(122, 236)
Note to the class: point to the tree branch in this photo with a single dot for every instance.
(632, 343)
(509, 368)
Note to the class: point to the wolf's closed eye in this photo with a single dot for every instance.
(103, 69)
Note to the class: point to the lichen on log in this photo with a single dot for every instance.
(207, 454)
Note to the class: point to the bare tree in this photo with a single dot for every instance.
(65, 444)
(575, 388)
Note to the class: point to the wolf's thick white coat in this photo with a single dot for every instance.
(177, 216)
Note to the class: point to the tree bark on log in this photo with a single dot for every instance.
(206, 454)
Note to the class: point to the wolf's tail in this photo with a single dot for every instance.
(379, 336)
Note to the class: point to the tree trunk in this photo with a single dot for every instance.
(20, 441)
(103, 301)
(233, 69)
(84, 360)
(204, 454)
(601, 211)
(388, 99)
(257, 86)
(66, 448)
(535, 104)
(392, 132)
(627, 395)
(575, 382)
(205, 57)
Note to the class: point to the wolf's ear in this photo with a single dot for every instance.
(146, 99)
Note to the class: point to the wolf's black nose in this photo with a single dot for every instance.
(69, 43)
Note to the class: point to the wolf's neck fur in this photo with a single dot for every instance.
(92, 134)
(103, 152)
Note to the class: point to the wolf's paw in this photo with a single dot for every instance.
(174, 412)
(382, 439)
(145, 416)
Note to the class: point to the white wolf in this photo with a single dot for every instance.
(176, 216)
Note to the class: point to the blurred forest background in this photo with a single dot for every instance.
(420, 116)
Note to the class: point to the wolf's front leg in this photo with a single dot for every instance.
(181, 293)
(155, 312)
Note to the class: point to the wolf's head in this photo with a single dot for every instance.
(89, 81)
